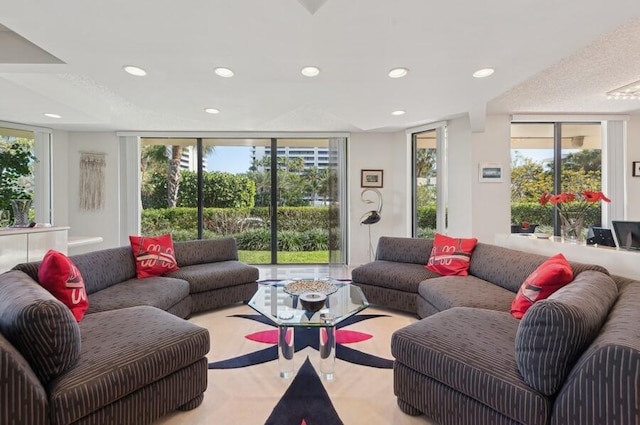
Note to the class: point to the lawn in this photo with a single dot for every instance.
(300, 257)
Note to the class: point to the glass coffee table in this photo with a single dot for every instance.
(281, 302)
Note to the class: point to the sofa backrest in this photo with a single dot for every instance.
(99, 269)
(106, 267)
(508, 267)
(205, 251)
(602, 387)
(404, 250)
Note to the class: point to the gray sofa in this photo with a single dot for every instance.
(132, 358)
(573, 358)
(209, 276)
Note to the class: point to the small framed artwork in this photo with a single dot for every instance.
(490, 172)
(635, 169)
(371, 178)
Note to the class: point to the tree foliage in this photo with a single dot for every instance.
(16, 170)
(220, 190)
(529, 180)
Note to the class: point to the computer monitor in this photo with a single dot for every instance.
(627, 234)
(600, 236)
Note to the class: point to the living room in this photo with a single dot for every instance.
(87, 53)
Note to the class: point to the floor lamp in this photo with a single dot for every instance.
(371, 217)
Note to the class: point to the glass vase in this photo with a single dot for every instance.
(21, 209)
(572, 224)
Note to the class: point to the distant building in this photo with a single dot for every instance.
(314, 156)
(189, 159)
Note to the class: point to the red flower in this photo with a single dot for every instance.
(591, 196)
(545, 198)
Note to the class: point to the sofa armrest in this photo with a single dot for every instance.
(24, 399)
(404, 250)
(603, 385)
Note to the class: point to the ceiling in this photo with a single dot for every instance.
(66, 57)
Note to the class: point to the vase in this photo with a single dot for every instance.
(20, 209)
(572, 225)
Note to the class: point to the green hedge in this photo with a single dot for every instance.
(300, 228)
(542, 215)
(288, 240)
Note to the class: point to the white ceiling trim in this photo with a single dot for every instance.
(571, 118)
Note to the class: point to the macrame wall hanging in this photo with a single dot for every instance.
(92, 180)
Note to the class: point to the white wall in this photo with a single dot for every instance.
(60, 177)
(632, 183)
(104, 222)
(378, 151)
(459, 178)
(491, 202)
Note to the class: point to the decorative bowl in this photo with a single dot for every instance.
(313, 301)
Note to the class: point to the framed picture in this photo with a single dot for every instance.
(490, 172)
(635, 170)
(371, 178)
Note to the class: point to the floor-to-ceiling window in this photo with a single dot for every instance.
(25, 172)
(278, 197)
(429, 199)
(554, 158)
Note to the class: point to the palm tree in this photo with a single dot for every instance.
(173, 177)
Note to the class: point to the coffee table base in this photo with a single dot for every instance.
(327, 349)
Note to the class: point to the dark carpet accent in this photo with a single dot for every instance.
(303, 338)
(305, 400)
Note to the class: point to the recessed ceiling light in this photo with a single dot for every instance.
(398, 112)
(134, 70)
(212, 111)
(630, 91)
(310, 71)
(223, 72)
(52, 115)
(398, 72)
(484, 72)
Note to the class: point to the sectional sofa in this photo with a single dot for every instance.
(573, 358)
(132, 358)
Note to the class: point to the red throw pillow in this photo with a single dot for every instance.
(154, 255)
(550, 276)
(451, 256)
(58, 275)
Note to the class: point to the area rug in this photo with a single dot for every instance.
(244, 386)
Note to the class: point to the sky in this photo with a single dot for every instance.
(232, 159)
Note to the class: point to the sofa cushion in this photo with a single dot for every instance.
(404, 250)
(154, 255)
(550, 276)
(509, 268)
(390, 274)
(554, 332)
(160, 292)
(203, 251)
(39, 325)
(58, 275)
(464, 291)
(122, 351)
(451, 256)
(211, 276)
(471, 351)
